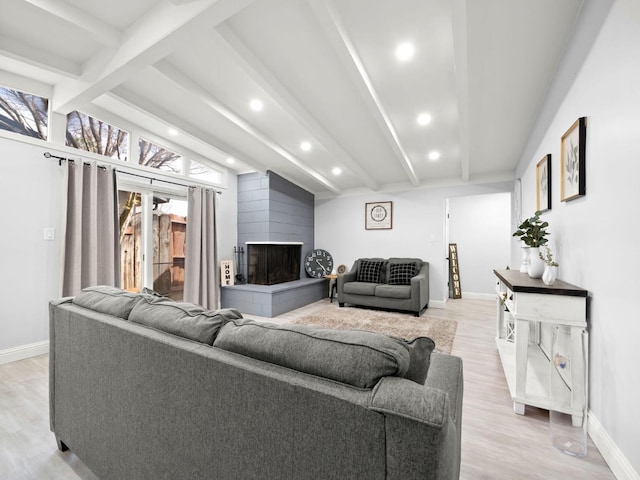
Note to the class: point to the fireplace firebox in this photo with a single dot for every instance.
(272, 263)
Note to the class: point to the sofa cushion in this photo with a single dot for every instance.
(185, 320)
(369, 271)
(393, 291)
(360, 288)
(354, 357)
(420, 350)
(402, 273)
(152, 292)
(105, 299)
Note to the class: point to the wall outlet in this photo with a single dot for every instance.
(49, 233)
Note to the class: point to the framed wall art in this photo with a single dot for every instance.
(378, 215)
(543, 184)
(572, 161)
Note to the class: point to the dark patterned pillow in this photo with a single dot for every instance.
(369, 271)
(402, 273)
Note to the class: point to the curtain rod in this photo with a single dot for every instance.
(151, 179)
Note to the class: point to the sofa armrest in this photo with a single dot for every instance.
(422, 439)
(445, 373)
(348, 277)
(404, 398)
(54, 313)
(345, 278)
(420, 288)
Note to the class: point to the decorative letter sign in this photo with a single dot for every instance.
(226, 272)
(454, 272)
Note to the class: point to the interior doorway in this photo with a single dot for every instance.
(480, 226)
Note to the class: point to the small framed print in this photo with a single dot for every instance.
(572, 161)
(543, 184)
(378, 215)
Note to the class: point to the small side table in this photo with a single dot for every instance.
(333, 287)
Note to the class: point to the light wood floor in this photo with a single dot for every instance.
(496, 443)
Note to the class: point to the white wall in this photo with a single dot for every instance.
(480, 226)
(594, 236)
(418, 229)
(31, 199)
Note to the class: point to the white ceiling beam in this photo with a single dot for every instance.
(337, 34)
(461, 66)
(194, 89)
(148, 40)
(127, 104)
(92, 26)
(264, 77)
(36, 57)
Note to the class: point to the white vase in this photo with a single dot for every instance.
(549, 275)
(536, 264)
(524, 266)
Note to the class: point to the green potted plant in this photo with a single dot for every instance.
(533, 234)
(533, 231)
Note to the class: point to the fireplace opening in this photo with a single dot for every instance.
(269, 264)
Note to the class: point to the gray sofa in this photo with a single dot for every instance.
(394, 284)
(146, 388)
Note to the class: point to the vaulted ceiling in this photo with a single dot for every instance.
(326, 72)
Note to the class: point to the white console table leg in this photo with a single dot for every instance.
(576, 420)
(518, 408)
(522, 356)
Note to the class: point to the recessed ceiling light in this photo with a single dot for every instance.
(256, 105)
(306, 146)
(173, 132)
(231, 160)
(405, 51)
(336, 171)
(424, 119)
(434, 155)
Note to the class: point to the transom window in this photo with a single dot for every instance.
(92, 135)
(203, 172)
(24, 113)
(156, 156)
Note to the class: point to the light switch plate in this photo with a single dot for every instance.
(49, 233)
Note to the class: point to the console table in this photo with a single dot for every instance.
(542, 340)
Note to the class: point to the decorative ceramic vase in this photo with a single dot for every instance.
(525, 259)
(536, 264)
(549, 275)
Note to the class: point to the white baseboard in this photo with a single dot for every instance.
(470, 295)
(616, 460)
(479, 296)
(437, 304)
(24, 351)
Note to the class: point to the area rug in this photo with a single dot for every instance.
(403, 325)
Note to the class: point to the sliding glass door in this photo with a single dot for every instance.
(153, 226)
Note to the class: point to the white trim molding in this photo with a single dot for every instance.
(479, 296)
(618, 463)
(437, 304)
(24, 351)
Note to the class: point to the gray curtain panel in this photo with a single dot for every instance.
(91, 249)
(200, 270)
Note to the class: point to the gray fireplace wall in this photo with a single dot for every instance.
(272, 209)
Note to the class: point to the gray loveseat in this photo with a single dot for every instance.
(229, 398)
(394, 283)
